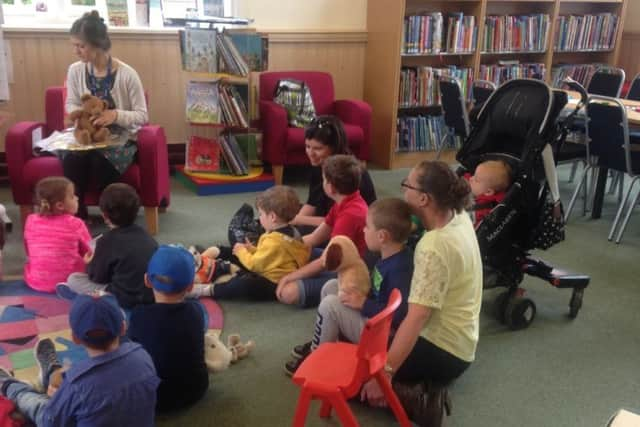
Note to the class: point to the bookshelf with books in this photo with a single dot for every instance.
(223, 149)
(411, 42)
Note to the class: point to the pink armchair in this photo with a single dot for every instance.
(283, 145)
(149, 174)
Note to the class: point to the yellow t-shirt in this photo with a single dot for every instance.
(447, 278)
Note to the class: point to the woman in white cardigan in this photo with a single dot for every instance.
(110, 79)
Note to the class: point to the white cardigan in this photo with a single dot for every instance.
(127, 93)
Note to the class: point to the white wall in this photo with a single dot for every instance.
(632, 20)
(305, 14)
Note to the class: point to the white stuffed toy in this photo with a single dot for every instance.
(218, 357)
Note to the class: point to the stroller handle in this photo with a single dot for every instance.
(574, 85)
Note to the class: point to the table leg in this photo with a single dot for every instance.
(598, 192)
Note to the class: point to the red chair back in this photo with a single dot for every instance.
(320, 84)
(372, 349)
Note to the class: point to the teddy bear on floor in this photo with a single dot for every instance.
(209, 269)
(218, 357)
(85, 131)
(342, 256)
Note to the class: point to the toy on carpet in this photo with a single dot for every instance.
(341, 255)
(86, 132)
(218, 357)
(209, 269)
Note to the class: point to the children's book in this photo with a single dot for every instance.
(118, 14)
(203, 155)
(199, 50)
(202, 102)
(251, 146)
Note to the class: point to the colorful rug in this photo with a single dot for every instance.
(27, 316)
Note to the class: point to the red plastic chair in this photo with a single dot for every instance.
(335, 372)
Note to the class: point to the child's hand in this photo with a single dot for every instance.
(88, 256)
(352, 298)
(238, 246)
(248, 245)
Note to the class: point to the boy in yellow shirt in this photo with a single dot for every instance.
(279, 251)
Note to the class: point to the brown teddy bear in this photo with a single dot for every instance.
(341, 255)
(86, 132)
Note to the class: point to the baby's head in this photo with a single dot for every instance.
(277, 206)
(119, 204)
(491, 177)
(170, 272)
(55, 195)
(388, 222)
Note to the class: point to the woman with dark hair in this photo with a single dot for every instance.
(101, 75)
(436, 342)
(324, 137)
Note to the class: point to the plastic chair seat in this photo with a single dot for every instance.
(332, 364)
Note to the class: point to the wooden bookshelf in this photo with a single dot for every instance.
(384, 58)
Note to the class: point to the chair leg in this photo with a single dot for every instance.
(574, 169)
(342, 410)
(25, 210)
(162, 209)
(621, 207)
(583, 177)
(392, 399)
(151, 218)
(277, 171)
(325, 409)
(631, 206)
(620, 187)
(302, 408)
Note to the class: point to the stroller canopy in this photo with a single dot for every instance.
(514, 122)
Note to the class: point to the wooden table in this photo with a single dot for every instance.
(633, 107)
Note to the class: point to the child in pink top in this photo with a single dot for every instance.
(56, 242)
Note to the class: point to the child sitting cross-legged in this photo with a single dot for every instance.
(344, 314)
(489, 183)
(115, 386)
(172, 330)
(121, 255)
(279, 251)
(341, 180)
(56, 242)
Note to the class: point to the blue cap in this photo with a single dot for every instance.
(171, 269)
(95, 319)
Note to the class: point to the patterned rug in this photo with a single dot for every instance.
(27, 315)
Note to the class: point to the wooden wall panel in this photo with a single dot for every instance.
(629, 58)
(41, 58)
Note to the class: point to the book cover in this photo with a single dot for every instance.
(251, 146)
(202, 103)
(199, 51)
(203, 155)
(251, 47)
(142, 13)
(117, 11)
(238, 155)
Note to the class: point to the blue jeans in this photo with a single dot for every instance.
(28, 401)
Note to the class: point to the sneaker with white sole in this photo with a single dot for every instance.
(47, 360)
(65, 292)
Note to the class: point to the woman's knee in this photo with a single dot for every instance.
(290, 293)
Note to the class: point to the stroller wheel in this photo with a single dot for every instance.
(576, 302)
(519, 313)
(500, 305)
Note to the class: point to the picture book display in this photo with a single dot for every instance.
(202, 102)
(203, 155)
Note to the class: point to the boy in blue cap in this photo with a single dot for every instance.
(115, 386)
(172, 330)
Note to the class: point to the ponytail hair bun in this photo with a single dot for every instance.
(448, 189)
(91, 29)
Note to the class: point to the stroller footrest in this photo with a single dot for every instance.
(557, 277)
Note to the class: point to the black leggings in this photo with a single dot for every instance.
(245, 285)
(429, 363)
(88, 167)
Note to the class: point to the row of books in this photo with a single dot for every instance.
(231, 154)
(233, 52)
(432, 34)
(523, 33)
(233, 157)
(419, 85)
(423, 133)
(579, 72)
(215, 102)
(586, 32)
(505, 70)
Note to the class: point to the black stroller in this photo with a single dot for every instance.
(516, 123)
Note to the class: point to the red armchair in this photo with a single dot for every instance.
(283, 145)
(149, 174)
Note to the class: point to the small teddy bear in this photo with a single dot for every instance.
(85, 131)
(341, 255)
(218, 357)
(209, 269)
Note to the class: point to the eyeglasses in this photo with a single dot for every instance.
(405, 184)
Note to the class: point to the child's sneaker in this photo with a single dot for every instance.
(47, 359)
(65, 292)
(292, 366)
(301, 351)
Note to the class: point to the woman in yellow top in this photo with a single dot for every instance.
(436, 342)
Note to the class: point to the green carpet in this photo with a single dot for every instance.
(556, 373)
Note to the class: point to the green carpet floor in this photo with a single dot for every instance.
(559, 372)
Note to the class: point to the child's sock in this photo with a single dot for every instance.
(200, 291)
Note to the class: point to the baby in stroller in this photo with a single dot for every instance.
(489, 185)
(514, 127)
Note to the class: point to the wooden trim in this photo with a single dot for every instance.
(317, 37)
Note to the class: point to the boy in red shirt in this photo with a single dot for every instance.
(347, 217)
(489, 184)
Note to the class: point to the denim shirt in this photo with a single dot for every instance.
(114, 389)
